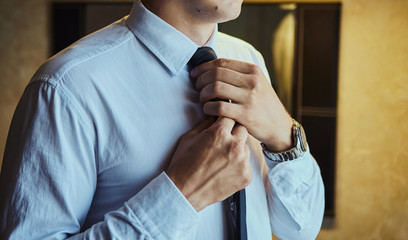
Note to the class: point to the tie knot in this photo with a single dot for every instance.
(202, 55)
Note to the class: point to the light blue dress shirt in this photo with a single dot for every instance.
(97, 126)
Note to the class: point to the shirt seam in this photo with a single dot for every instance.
(102, 51)
(69, 103)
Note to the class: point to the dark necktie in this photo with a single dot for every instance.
(236, 204)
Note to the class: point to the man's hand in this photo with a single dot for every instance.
(211, 162)
(254, 102)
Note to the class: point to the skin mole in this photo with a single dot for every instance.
(216, 7)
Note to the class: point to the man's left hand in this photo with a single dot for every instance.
(254, 102)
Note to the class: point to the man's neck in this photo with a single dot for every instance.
(198, 32)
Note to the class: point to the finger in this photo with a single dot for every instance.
(223, 91)
(238, 66)
(240, 131)
(223, 75)
(202, 126)
(226, 123)
(223, 109)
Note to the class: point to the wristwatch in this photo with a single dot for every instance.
(299, 149)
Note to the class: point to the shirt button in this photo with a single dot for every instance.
(232, 206)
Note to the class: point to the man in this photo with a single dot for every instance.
(95, 149)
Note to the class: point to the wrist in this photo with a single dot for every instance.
(283, 144)
(192, 195)
(283, 139)
(298, 150)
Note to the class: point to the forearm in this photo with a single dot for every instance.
(158, 211)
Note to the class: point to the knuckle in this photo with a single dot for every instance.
(254, 83)
(221, 131)
(247, 177)
(217, 73)
(245, 173)
(241, 153)
(237, 149)
(218, 87)
(251, 96)
(220, 108)
(254, 68)
(222, 62)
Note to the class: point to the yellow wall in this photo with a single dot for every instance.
(372, 149)
(23, 46)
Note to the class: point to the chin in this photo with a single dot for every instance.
(230, 13)
(215, 11)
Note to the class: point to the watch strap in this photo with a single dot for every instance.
(297, 151)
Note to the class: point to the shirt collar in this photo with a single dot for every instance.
(173, 48)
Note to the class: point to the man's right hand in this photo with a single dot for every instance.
(211, 162)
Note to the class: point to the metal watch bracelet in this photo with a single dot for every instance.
(298, 150)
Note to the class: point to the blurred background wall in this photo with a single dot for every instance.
(372, 145)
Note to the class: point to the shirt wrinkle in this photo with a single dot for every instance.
(111, 90)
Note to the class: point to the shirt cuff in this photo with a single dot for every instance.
(290, 181)
(163, 210)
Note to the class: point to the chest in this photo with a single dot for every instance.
(141, 118)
